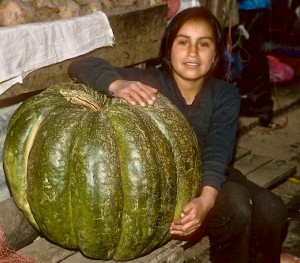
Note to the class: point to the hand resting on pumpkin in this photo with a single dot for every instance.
(133, 92)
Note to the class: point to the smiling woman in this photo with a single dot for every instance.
(192, 55)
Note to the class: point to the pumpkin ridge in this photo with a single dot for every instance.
(95, 169)
(166, 116)
(13, 156)
(137, 172)
(23, 205)
(28, 148)
(49, 173)
(168, 180)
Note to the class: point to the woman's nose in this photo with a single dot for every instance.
(192, 50)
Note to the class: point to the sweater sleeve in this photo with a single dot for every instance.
(98, 74)
(94, 72)
(219, 143)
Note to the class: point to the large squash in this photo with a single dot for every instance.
(98, 175)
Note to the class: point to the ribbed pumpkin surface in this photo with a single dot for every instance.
(98, 175)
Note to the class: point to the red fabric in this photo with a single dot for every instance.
(279, 72)
(173, 7)
(294, 62)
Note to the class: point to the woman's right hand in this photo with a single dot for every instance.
(134, 92)
(194, 213)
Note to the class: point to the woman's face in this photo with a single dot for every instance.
(193, 51)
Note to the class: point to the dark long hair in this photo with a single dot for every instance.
(193, 13)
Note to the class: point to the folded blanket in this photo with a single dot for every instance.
(26, 48)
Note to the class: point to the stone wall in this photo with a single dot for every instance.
(14, 12)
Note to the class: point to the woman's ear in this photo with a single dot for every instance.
(214, 62)
(215, 57)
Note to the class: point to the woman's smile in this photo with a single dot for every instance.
(191, 64)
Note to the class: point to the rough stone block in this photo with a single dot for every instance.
(18, 231)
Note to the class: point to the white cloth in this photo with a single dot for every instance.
(188, 3)
(26, 48)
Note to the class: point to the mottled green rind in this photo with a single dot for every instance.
(107, 182)
(97, 203)
(185, 149)
(20, 130)
(147, 166)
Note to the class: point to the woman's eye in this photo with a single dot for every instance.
(182, 42)
(204, 44)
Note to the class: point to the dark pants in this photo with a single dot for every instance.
(247, 224)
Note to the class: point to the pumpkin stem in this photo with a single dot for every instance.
(79, 97)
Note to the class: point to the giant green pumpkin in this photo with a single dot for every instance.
(96, 174)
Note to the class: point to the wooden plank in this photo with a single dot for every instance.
(240, 153)
(197, 252)
(138, 33)
(272, 173)
(251, 162)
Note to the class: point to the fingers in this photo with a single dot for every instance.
(184, 226)
(184, 229)
(134, 92)
(140, 94)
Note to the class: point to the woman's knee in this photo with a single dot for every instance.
(270, 208)
(234, 205)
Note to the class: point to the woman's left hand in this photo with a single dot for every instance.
(194, 212)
